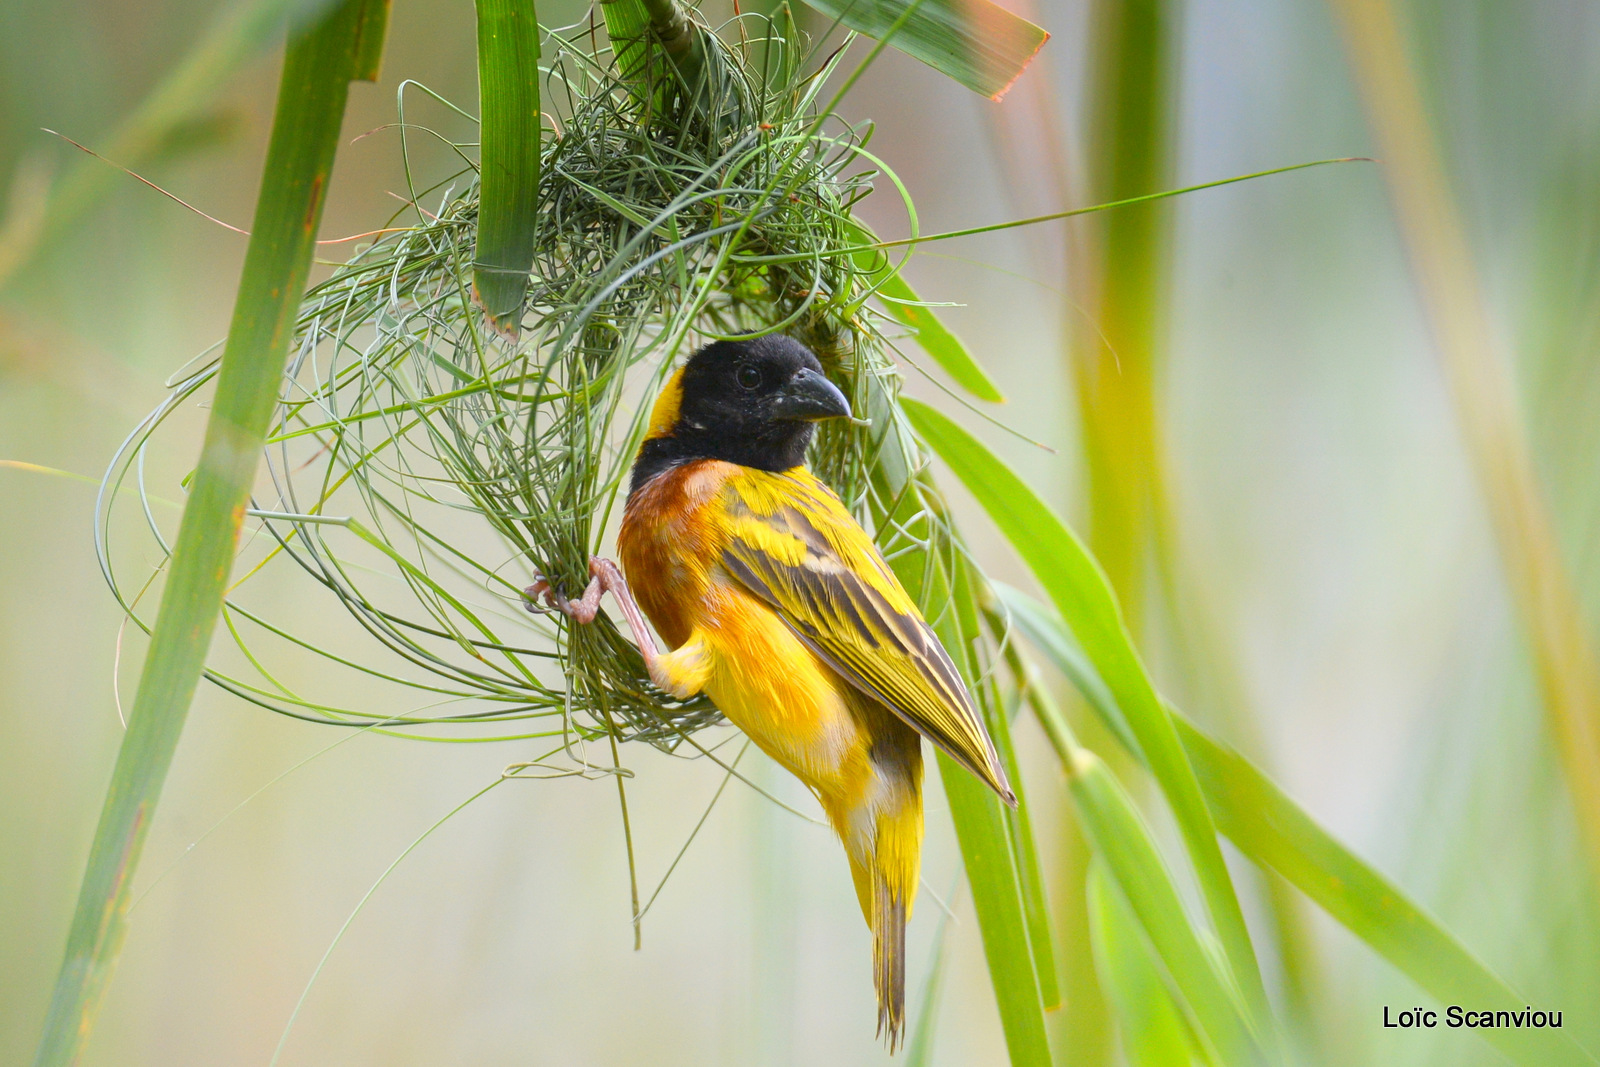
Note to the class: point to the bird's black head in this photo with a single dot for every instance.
(750, 401)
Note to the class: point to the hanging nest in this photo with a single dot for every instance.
(425, 468)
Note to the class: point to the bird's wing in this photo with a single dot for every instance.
(792, 543)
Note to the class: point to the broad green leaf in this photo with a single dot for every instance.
(1214, 1014)
(371, 31)
(1152, 1027)
(318, 67)
(978, 43)
(508, 100)
(902, 304)
(1073, 581)
(1275, 832)
(628, 27)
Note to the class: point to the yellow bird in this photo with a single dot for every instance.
(777, 605)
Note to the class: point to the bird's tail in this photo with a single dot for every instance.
(886, 884)
(889, 961)
(886, 907)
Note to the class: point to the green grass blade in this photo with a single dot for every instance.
(1079, 590)
(1111, 205)
(991, 872)
(985, 832)
(1054, 216)
(1035, 908)
(1274, 831)
(1152, 1026)
(1044, 629)
(978, 43)
(317, 69)
(1124, 843)
(508, 100)
(970, 621)
(1216, 1018)
(903, 305)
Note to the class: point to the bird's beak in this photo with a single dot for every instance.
(809, 397)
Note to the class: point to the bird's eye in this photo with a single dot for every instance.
(749, 376)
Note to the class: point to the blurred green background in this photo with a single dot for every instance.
(1328, 595)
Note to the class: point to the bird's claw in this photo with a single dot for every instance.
(542, 591)
(581, 611)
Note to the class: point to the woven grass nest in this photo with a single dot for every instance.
(426, 467)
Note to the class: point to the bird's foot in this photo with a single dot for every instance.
(604, 577)
(582, 610)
